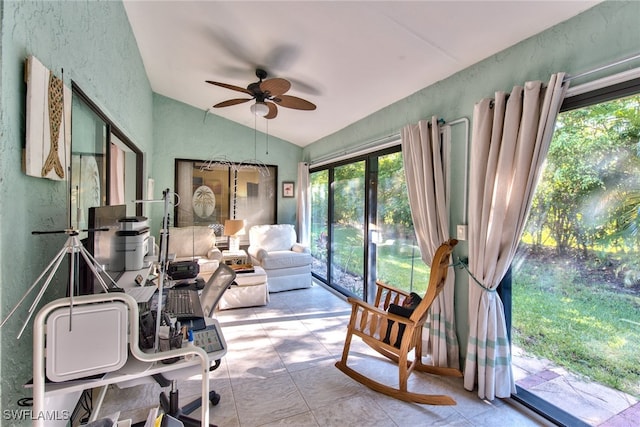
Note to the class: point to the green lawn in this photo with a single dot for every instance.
(394, 264)
(589, 329)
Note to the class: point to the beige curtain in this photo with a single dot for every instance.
(510, 140)
(425, 176)
(117, 176)
(303, 207)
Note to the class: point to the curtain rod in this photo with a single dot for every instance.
(376, 143)
(603, 67)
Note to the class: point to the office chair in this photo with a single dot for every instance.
(213, 290)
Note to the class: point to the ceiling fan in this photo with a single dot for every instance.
(268, 95)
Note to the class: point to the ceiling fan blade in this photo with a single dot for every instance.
(294, 102)
(275, 87)
(228, 86)
(273, 111)
(231, 102)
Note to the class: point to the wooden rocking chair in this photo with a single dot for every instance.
(371, 324)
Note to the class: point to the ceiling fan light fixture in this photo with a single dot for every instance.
(260, 109)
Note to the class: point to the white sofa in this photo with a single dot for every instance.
(195, 243)
(286, 262)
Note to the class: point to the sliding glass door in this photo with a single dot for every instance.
(361, 228)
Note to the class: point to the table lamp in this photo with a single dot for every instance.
(233, 228)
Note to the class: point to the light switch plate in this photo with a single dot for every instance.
(461, 232)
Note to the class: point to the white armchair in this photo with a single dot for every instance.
(197, 243)
(286, 262)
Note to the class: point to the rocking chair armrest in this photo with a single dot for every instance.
(368, 307)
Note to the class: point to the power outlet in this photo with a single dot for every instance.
(461, 232)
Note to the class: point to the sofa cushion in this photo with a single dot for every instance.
(293, 271)
(285, 259)
(278, 237)
(191, 241)
(289, 282)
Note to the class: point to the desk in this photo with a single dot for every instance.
(139, 365)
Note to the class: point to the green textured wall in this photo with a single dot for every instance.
(601, 35)
(88, 39)
(181, 131)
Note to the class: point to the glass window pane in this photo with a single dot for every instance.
(576, 279)
(88, 163)
(398, 260)
(231, 191)
(254, 197)
(347, 247)
(319, 222)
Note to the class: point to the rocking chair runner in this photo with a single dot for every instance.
(370, 323)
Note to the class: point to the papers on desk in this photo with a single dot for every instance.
(141, 294)
(242, 268)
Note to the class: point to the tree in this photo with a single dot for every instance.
(393, 200)
(591, 172)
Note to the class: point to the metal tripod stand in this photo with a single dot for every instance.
(75, 249)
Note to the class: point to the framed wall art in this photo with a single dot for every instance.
(288, 189)
(48, 129)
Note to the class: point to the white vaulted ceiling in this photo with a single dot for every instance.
(349, 58)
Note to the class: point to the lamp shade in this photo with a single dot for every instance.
(260, 109)
(234, 227)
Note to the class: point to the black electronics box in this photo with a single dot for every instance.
(180, 270)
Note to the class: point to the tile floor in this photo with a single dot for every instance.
(279, 370)
(595, 404)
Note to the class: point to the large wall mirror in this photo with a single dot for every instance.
(212, 192)
(106, 167)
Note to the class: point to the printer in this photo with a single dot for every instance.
(132, 243)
